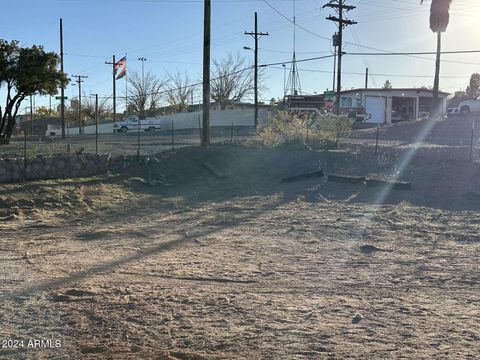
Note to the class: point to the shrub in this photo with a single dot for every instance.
(284, 129)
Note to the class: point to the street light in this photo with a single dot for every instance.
(284, 81)
(142, 59)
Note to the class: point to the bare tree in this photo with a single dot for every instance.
(179, 91)
(144, 93)
(232, 80)
(88, 107)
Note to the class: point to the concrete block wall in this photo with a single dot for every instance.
(63, 166)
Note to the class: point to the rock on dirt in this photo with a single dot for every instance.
(357, 318)
(369, 249)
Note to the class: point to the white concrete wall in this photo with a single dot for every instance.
(184, 121)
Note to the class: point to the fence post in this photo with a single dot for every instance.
(200, 127)
(96, 124)
(308, 126)
(471, 140)
(173, 136)
(139, 128)
(25, 152)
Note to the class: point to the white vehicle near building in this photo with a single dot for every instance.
(453, 111)
(469, 106)
(133, 124)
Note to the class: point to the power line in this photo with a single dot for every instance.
(413, 53)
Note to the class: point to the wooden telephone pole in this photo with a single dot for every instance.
(62, 89)
(340, 6)
(206, 74)
(256, 35)
(113, 63)
(79, 82)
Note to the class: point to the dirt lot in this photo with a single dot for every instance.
(247, 267)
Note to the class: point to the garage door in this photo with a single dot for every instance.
(375, 108)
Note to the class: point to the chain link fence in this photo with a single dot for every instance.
(143, 143)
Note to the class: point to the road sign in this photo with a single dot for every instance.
(328, 94)
(60, 98)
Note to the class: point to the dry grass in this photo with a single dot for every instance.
(244, 267)
(285, 129)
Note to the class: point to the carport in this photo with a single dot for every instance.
(390, 105)
(403, 108)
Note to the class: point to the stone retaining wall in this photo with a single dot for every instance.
(64, 166)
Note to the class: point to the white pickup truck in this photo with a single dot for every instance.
(132, 124)
(469, 106)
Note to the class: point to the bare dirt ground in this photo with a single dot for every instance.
(247, 267)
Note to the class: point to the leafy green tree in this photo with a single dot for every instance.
(44, 111)
(473, 89)
(25, 71)
(439, 19)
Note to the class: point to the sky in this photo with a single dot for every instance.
(169, 34)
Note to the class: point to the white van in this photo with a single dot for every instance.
(132, 124)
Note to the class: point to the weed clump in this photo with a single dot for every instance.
(320, 131)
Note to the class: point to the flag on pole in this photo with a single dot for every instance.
(122, 65)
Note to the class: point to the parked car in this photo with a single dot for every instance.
(453, 111)
(469, 106)
(132, 124)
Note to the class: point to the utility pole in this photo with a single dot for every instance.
(256, 35)
(366, 78)
(340, 6)
(206, 73)
(79, 82)
(114, 73)
(62, 89)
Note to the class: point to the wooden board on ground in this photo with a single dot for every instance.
(218, 173)
(318, 173)
(346, 179)
(395, 184)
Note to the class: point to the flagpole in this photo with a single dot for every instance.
(126, 88)
(114, 90)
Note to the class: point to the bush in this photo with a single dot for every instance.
(284, 129)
